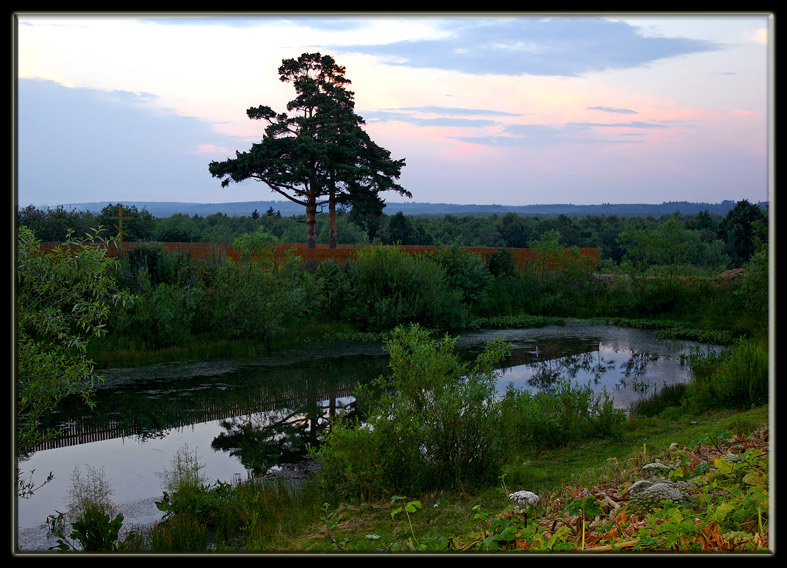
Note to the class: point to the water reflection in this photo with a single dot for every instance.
(626, 364)
(247, 417)
(265, 440)
(155, 403)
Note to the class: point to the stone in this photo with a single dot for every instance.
(647, 494)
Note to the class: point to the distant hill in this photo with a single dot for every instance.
(288, 209)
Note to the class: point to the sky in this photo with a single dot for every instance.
(485, 108)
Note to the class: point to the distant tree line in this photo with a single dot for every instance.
(703, 239)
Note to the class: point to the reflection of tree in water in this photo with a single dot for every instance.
(281, 436)
(151, 408)
(556, 363)
(637, 364)
(557, 360)
(635, 368)
(284, 433)
(548, 373)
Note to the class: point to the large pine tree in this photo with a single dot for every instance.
(320, 154)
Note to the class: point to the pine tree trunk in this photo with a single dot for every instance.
(332, 222)
(311, 223)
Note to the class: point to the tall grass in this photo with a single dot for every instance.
(253, 515)
(256, 299)
(737, 378)
(740, 379)
(440, 424)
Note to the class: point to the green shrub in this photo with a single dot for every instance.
(96, 530)
(187, 493)
(254, 244)
(143, 261)
(148, 263)
(436, 425)
(501, 263)
(390, 288)
(738, 380)
(350, 458)
(332, 286)
(508, 294)
(465, 272)
(253, 300)
(671, 396)
(159, 316)
(179, 534)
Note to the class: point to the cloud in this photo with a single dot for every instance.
(78, 141)
(326, 22)
(613, 110)
(213, 150)
(411, 118)
(559, 46)
(760, 36)
(459, 111)
(630, 124)
(541, 135)
(446, 116)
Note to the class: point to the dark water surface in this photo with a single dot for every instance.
(247, 416)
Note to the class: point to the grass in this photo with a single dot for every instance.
(459, 515)
(307, 521)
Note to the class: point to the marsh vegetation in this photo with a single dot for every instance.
(432, 427)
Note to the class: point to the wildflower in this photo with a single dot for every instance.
(523, 498)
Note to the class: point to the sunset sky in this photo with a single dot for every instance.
(486, 108)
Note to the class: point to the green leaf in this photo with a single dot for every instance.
(755, 478)
(413, 506)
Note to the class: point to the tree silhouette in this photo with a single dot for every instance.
(320, 155)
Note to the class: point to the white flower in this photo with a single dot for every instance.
(523, 498)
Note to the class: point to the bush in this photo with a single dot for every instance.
(179, 534)
(390, 288)
(671, 396)
(332, 287)
(501, 263)
(465, 272)
(253, 299)
(436, 425)
(62, 302)
(739, 380)
(160, 316)
(186, 491)
(254, 244)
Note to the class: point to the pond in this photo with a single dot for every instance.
(248, 416)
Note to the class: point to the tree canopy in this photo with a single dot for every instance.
(320, 154)
(62, 300)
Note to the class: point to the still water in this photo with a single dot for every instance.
(248, 416)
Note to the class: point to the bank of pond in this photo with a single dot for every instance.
(253, 416)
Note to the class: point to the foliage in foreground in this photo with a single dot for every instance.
(62, 300)
(726, 511)
(439, 424)
(95, 520)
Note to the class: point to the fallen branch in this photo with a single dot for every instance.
(610, 547)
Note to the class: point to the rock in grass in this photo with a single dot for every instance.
(647, 494)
